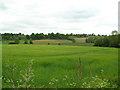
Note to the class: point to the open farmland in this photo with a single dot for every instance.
(80, 40)
(46, 41)
(56, 66)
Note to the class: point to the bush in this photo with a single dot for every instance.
(26, 42)
(31, 42)
(59, 43)
(90, 39)
(73, 40)
(17, 41)
(48, 43)
(12, 43)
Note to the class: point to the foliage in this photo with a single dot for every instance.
(39, 36)
(109, 41)
(17, 41)
(91, 39)
(25, 42)
(114, 32)
(73, 40)
(31, 42)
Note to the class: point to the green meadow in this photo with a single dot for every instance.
(57, 66)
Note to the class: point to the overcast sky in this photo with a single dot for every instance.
(63, 16)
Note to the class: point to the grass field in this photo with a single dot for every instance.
(56, 65)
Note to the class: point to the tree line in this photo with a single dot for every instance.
(39, 36)
(98, 40)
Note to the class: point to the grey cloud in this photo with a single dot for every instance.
(12, 27)
(22, 25)
(76, 15)
(2, 6)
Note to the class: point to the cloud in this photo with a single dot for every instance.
(64, 16)
(2, 6)
(77, 14)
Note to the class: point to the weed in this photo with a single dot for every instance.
(24, 82)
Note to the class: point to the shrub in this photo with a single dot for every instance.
(48, 43)
(12, 43)
(31, 42)
(25, 42)
(17, 41)
(73, 40)
(91, 39)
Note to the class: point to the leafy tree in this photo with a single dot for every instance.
(27, 37)
(91, 39)
(114, 32)
(105, 42)
(114, 42)
(98, 41)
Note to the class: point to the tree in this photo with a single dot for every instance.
(114, 42)
(105, 42)
(91, 39)
(27, 37)
(114, 32)
(98, 41)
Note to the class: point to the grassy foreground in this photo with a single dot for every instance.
(56, 66)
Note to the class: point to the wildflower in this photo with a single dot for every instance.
(102, 71)
(66, 76)
(51, 83)
(96, 76)
(56, 80)
(70, 84)
(8, 80)
(20, 80)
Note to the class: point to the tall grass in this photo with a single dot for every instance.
(59, 62)
(26, 79)
(76, 80)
